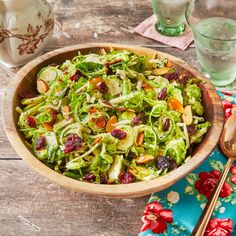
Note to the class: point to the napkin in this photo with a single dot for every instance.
(176, 210)
(147, 29)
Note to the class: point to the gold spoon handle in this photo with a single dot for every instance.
(202, 223)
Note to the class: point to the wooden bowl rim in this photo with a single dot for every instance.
(120, 190)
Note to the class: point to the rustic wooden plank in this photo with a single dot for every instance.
(31, 205)
(96, 21)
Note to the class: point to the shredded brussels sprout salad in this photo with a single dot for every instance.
(113, 117)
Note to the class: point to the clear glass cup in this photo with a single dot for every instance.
(213, 23)
(170, 15)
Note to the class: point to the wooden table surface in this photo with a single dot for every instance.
(29, 203)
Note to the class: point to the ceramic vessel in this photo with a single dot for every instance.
(25, 28)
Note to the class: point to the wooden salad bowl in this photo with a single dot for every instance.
(25, 80)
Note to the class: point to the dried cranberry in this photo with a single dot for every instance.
(183, 79)
(73, 143)
(139, 119)
(103, 180)
(191, 129)
(102, 87)
(119, 134)
(90, 177)
(31, 121)
(53, 115)
(171, 76)
(40, 143)
(162, 94)
(131, 155)
(166, 124)
(135, 121)
(233, 170)
(125, 178)
(165, 162)
(172, 163)
(75, 77)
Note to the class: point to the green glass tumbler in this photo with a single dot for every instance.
(213, 23)
(170, 15)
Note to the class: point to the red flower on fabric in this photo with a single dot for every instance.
(207, 182)
(156, 218)
(233, 170)
(219, 227)
(228, 108)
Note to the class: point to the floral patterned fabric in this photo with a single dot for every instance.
(176, 210)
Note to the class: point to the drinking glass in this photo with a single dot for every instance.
(170, 15)
(213, 23)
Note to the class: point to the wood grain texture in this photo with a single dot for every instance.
(24, 81)
(31, 205)
(99, 21)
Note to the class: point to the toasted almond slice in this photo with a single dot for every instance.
(140, 138)
(110, 124)
(169, 64)
(187, 116)
(100, 122)
(147, 86)
(93, 110)
(97, 140)
(161, 71)
(102, 51)
(47, 126)
(110, 181)
(132, 171)
(65, 112)
(95, 81)
(42, 86)
(176, 105)
(143, 159)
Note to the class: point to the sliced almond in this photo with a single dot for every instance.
(133, 171)
(174, 104)
(95, 81)
(140, 138)
(47, 126)
(102, 51)
(97, 140)
(65, 110)
(93, 110)
(187, 116)
(143, 159)
(110, 124)
(161, 71)
(42, 86)
(169, 64)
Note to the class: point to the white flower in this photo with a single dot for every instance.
(222, 210)
(173, 197)
(218, 204)
(203, 205)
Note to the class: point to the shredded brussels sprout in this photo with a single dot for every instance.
(113, 117)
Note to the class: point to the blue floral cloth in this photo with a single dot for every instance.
(186, 199)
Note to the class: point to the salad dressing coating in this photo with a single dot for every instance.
(113, 117)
